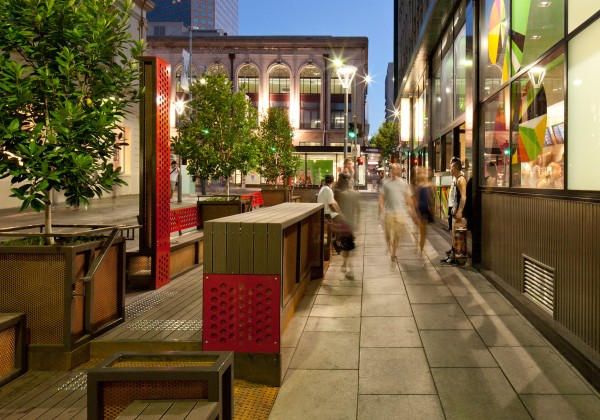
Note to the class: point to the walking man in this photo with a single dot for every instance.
(393, 196)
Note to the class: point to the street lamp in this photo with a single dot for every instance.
(179, 110)
(346, 74)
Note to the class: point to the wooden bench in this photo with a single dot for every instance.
(122, 381)
(12, 346)
(257, 266)
(170, 409)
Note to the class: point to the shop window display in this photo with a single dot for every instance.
(496, 153)
(536, 27)
(494, 57)
(537, 119)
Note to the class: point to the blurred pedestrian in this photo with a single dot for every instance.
(347, 199)
(392, 198)
(423, 205)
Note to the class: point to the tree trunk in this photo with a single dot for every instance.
(227, 186)
(48, 219)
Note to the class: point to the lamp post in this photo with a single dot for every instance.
(346, 74)
(191, 30)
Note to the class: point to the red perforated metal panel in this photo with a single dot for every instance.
(241, 313)
(184, 218)
(163, 164)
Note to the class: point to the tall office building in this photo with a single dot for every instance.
(205, 14)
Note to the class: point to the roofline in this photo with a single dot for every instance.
(270, 41)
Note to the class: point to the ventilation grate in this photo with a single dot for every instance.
(538, 283)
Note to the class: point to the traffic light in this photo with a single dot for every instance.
(360, 160)
(351, 131)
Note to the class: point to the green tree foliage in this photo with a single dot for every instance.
(217, 135)
(66, 80)
(276, 146)
(386, 138)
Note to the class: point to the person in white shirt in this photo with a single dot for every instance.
(392, 198)
(173, 176)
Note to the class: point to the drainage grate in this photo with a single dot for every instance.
(538, 283)
(146, 303)
(165, 325)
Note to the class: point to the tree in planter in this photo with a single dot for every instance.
(217, 136)
(66, 80)
(386, 139)
(277, 159)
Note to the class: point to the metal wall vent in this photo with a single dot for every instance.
(538, 283)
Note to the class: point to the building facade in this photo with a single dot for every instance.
(296, 73)
(510, 87)
(203, 14)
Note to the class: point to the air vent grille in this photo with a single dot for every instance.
(538, 283)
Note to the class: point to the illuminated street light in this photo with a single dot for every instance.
(346, 74)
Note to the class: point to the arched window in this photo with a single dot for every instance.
(310, 97)
(248, 81)
(217, 68)
(279, 87)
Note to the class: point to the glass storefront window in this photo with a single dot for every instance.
(583, 145)
(580, 11)
(536, 26)
(538, 126)
(494, 56)
(447, 88)
(495, 132)
(436, 100)
(461, 64)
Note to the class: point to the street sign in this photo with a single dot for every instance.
(372, 150)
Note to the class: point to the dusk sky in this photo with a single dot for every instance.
(373, 19)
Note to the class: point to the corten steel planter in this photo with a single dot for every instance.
(222, 207)
(12, 348)
(307, 194)
(69, 294)
(276, 195)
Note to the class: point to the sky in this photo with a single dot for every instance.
(373, 19)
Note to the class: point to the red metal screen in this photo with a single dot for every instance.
(163, 164)
(241, 313)
(184, 218)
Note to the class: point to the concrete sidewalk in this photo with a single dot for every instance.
(413, 339)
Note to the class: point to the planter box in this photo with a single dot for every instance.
(209, 209)
(273, 196)
(307, 194)
(12, 347)
(126, 377)
(63, 310)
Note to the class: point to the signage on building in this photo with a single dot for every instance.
(372, 150)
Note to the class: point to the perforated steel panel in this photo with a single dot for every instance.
(42, 301)
(241, 313)
(155, 140)
(163, 163)
(118, 395)
(106, 288)
(184, 218)
(78, 301)
(8, 342)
